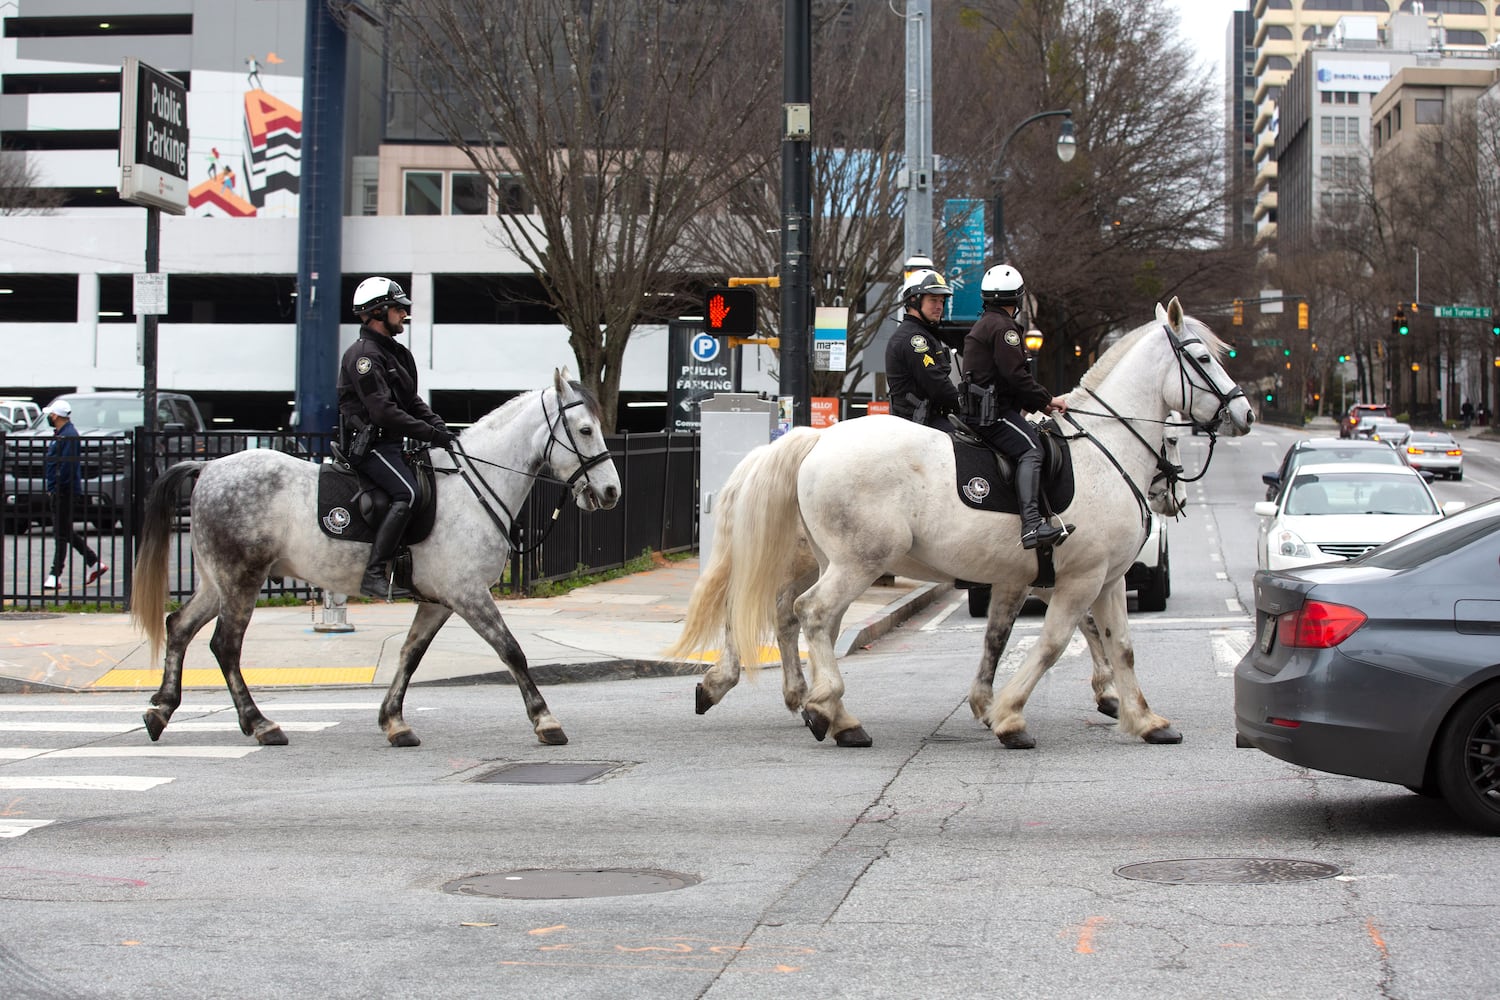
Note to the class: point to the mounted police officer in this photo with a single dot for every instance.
(994, 363)
(378, 409)
(917, 363)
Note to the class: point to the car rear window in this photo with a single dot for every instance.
(1359, 494)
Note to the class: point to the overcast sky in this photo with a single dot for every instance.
(1204, 23)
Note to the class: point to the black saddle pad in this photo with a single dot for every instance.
(986, 479)
(348, 503)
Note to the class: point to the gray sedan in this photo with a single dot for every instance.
(1386, 667)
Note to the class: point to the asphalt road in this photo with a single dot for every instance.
(933, 864)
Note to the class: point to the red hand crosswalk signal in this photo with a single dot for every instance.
(729, 312)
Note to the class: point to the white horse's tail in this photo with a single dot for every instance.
(708, 607)
(767, 523)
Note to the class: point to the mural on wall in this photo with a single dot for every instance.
(247, 134)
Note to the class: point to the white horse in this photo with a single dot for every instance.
(860, 519)
(254, 515)
(709, 606)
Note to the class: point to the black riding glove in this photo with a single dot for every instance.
(443, 438)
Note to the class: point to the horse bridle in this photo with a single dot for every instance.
(584, 465)
(1169, 471)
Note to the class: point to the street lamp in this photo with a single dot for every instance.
(1067, 147)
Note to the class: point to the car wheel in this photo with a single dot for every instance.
(1153, 596)
(1458, 475)
(979, 601)
(1468, 759)
(17, 525)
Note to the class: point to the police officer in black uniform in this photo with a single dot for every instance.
(379, 408)
(994, 361)
(917, 363)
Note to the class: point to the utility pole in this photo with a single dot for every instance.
(796, 209)
(917, 176)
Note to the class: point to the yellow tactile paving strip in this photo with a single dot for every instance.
(254, 676)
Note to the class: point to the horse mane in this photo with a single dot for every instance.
(507, 411)
(1095, 376)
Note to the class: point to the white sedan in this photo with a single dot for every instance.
(1336, 512)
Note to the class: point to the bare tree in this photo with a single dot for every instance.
(620, 121)
(20, 192)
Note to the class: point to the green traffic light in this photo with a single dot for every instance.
(1403, 329)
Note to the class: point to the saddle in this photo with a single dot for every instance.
(986, 479)
(350, 506)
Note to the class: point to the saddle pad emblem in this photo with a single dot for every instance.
(977, 489)
(336, 520)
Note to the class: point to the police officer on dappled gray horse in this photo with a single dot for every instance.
(1002, 388)
(917, 363)
(378, 409)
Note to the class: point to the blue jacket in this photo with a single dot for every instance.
(63, 471)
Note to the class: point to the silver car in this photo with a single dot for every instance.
(1434, 451)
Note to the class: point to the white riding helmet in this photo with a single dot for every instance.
(1002, 286)
(924, 282)
(376, 293)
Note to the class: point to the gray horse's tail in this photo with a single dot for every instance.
(148, 595)
(763, 546)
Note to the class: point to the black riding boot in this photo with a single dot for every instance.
(1034, 530)
(377, 581)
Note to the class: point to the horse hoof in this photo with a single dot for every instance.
(703, 702)
(856, 737)
(553, 737)
(817, 724)
(405, 738)
(271, 737)
(1163, 734)
(155, 724)
(1020, 740)
(1110, 706)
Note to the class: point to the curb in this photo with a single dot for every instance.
(894, 614)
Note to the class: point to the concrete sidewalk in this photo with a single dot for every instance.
(607, 631)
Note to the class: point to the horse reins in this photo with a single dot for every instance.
(584, 465)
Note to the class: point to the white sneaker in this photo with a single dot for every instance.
(50, 583)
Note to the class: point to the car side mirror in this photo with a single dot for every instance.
(1426, 474)
(1270, 478)
(1453, 507)
(1265, 508)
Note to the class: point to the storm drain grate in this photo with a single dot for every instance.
(546, 774)
(1227, 871)
(570, 883)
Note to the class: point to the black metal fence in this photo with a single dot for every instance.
(658, 512)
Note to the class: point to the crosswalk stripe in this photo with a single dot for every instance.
(12, 827)
(137, 707)
(116, 728)
(90, 782)
(154, 750)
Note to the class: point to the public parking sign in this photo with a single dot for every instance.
(153, 138)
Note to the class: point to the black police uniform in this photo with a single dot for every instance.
(917, 364)
(994, 358)
(377, 389)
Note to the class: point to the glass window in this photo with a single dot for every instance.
(511, 196)
(467, 194)
(1325, 129)
(1429, 110)
(424, 192)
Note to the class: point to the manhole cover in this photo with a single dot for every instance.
(29, 616)
(570, 883)
(545, 774)
(1227, 871)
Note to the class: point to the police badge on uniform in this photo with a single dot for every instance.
(1012, 338)
(919, 343)
(363, 366)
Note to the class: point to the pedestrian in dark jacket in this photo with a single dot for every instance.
(64, 477)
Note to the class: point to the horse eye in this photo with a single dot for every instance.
(587, 430)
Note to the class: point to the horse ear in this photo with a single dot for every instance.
(1161, 314)
(560, 379)
(1174, 315)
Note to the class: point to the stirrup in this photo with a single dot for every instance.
(1044, 534)
(379, 584)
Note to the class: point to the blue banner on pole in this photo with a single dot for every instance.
(963, 239)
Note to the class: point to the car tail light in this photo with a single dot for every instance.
(1318, 625)
(1455, 452)
(1412, 449)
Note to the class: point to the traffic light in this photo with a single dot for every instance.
(1233, 351)
(1271, 398)
(1398, 324)
(1302, 315)
(1495, 329)
(729, 312)
(1239, 312)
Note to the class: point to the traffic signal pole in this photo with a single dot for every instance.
(796, 210)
